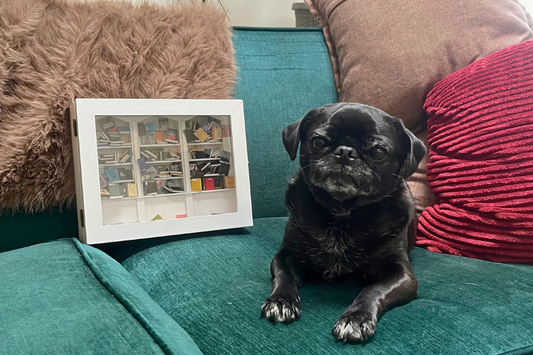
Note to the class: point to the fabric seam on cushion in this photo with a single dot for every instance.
(277, 29)
(91, 264)
(519, 351)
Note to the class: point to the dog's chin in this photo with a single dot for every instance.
(341, 186)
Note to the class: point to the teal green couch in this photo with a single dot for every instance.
(202, 293)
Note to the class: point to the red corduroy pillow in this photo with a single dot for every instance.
(480, 132)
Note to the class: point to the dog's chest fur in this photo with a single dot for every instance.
(337, 250)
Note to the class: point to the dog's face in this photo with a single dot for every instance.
(351, 151)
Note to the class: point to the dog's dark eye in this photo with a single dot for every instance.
(318, 143)
(378, 153)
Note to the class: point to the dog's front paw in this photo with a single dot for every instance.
(279, 308)
(355, 326)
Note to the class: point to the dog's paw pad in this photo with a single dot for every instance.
(281, 308)
(354, 327)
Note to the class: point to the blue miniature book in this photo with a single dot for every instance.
(112, 174)
(151, 127)
(142, 164)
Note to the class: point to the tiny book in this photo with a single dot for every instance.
(114, 190)
(172, 135)
(196, 184)
(159, 136)
(141, 128)
(112, 174)
(163, 123)
(151, 127)
(216, 133)
(209, 183)
(201, 135)
(150, 188)
(225, 156)
(108, 124)
(199, 155)
(189, 135)
(125, 174)
(218, 182)
(132, 190)
(125, 153)
(224, 168)
(142, 164)
(229, 182)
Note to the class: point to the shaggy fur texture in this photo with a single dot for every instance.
(53, 51)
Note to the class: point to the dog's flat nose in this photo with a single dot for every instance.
(345, 151)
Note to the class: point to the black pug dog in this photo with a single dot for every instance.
(350, 214)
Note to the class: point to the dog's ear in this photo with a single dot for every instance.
(291, 138)
(293, 133)
(415, 153)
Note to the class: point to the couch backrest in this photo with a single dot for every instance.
(282, 74)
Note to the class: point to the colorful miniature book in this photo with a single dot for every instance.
(172, 135)
(224, 168)
(189, 135)
(125, 174)
(225, 156)
(142, 164)
(132, 190)
(209, 183)
(216, 133)
(114, 190)
(218, 182)
(112, 174)
(160, 136)
(108, 124)
(229, 182)
(151, 127)
(196, 184)
(163, 123)
(201, 135)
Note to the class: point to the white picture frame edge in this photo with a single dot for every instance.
(90, 226)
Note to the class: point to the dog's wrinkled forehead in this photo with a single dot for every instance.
(354, 120)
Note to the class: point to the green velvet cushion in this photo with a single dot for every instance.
(215, 285)
(282, 74)
(63, 297)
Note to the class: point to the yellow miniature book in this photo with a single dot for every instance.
(229, 182)
(201, 135)
(157, 218)
(217, 132)
(132, 190)
(196, 184)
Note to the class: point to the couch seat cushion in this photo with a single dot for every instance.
(67, 298)
(214, 287)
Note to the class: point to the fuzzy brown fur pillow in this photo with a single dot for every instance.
(53, 51)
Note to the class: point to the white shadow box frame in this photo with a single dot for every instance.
(197, 211)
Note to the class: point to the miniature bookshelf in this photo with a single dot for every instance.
(159, 164)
